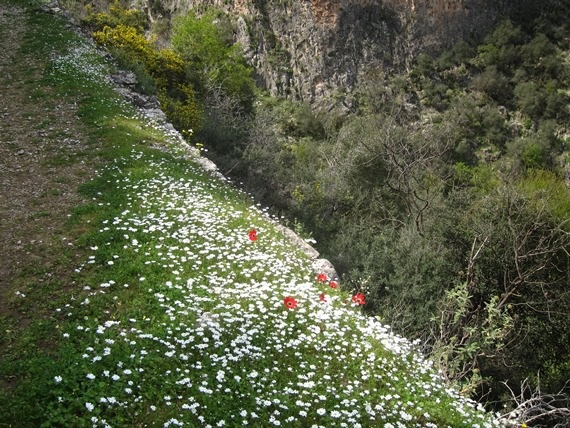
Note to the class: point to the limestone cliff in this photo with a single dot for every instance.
(318, 49)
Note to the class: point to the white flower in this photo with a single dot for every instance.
(321, 411)
(58, 379)
(89, 406)
(90, 376)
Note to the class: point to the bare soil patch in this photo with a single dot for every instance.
(41, 144)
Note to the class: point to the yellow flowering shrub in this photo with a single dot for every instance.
(114, 17)
(126, 38)
(183, 110)
(166, 68)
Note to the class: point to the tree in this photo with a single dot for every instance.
(211, 59)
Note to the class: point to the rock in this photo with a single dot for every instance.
(319, 49)
(299, 242)
(326, 267)
(138, 99)
(154, 114)
(124, 78)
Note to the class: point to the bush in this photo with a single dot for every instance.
(210, 59)
(494, 84)
(177, 97)
(530, 99)
(182, 108)
(116, 16)
(539, 47)
(166, 67)
(506, 34)
(547, 187)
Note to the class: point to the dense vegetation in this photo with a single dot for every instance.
(441, 195)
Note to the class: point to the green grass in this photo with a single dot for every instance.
(175, 317)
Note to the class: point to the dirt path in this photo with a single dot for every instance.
(40, 139)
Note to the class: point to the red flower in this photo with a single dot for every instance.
(358, 298)
(322, 277)
(253, 235)
(290, 302)
(333, 284)
(323, 297)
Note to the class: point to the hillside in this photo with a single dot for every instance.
(319, 51)
(140, 290)
(439, 191)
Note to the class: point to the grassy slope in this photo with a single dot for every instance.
(174, 316)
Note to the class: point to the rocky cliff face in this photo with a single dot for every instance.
(314, 50)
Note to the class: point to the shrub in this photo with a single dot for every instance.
(177, 97)
(182, 109)
(530, 99)
(424, 66)
(116, 16)
(539, 47)
(163, 65)
(506, 34)
(546, 187)
(533, 156)
(494, 84)
(210, 59)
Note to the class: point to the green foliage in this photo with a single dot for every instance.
(538, 48)
(480, 178)
(436, 95)
(182, 109)
(462, 52)
(548, 192)
(161, 70)
(210, 57)
(530, 99)
(285, 155)
(537, 150)
(298, 120)
(494, 84)
(519, 253)
(506, 34)
(424, 65)
(405, 268)
(463, 333)
(163, 65)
